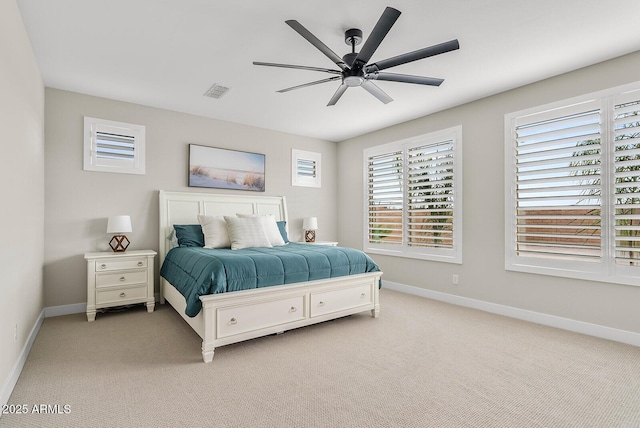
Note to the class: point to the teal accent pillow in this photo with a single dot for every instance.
(282, 227)
(189, 235)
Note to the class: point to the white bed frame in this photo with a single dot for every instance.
(233, 317)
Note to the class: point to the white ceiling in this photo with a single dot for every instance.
(167, 53)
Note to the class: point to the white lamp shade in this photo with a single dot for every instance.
(310, 223)
(119, 224)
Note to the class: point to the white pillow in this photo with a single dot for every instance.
(246, 232)
(270, 228)
(214, 229)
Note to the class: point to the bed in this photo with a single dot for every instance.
(228, 316)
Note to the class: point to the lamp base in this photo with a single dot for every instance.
(119, 243)
(310, 236)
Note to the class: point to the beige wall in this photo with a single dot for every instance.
(21, 187)
(482, 274)
(78, 202)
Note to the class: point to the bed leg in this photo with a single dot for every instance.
(162, 300)
(207, 353)
(376, 299)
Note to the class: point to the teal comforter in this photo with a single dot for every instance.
(196, 271)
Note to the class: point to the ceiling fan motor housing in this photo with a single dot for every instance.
(354, 74)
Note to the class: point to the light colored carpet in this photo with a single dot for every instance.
(420, 364)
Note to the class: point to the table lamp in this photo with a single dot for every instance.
(310, 225)
(119, 225)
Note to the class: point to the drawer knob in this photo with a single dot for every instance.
(122, 279)
(103, 266)
(140, 263)
(320, 303)
(293, 309)
(362, 296)
(233, 321)
(123, 294)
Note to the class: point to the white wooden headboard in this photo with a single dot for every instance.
(184, 207)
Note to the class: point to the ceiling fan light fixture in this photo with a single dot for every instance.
(352, 81)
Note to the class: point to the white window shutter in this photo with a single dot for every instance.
(430, 195)
(115, 146)
(414, 197)
(626, 164)
(558, 185)
(111, 146)
(573, 177)
(306, 168)
(385, 198)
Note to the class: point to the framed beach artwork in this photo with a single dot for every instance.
(225, 169)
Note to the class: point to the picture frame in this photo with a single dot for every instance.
(218, 168)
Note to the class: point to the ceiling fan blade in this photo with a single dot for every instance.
(316, 42)
(334, 99)
(413, 56)
(376, 92)
(317, 82)
(298, 67)
(405, 78)
(379, 32)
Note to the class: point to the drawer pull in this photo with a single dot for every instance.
(233, 321)
(320, 303)
(362, 296)
(140, 263)
(293, 309)
(103, 266)
(122, 279)
(123, 294)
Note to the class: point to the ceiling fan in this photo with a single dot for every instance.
(355, 69)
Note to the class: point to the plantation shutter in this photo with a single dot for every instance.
(306, 168)
(111, 146)
(626, 163)
(558, 184)
(385, 198)
(114, 146)
(430, 195)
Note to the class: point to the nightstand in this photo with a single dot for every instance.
(115, 279)
(329, 243)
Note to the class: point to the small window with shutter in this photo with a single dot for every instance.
(113, 146)
(305, 168)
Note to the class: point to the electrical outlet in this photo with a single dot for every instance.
(15, 333)
(455, 279)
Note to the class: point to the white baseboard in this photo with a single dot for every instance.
(623, 336)
(57, 311)
(75, 308)
(11, 381)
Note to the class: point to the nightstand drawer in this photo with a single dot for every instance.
(118, 264)
(121, 278)
(121, 296)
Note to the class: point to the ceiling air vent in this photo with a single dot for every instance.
(216, 91)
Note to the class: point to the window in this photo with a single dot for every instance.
(305, 168)
(413, 194)
(573, 186)
(113, 146)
